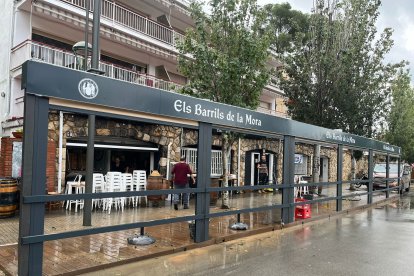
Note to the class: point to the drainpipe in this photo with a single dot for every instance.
(8, 102)
(60, 151)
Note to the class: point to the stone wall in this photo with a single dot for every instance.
(75, 126)
(175, 138)
(331, 154)
(361, 165)
(246, 145)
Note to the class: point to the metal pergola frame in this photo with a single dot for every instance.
(54, 88)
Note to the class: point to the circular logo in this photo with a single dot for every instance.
(88, 88)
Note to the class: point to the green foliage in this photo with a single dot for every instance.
(401, 118)
(224, 57)
(287, 26)
(357, 154)
(337, 78)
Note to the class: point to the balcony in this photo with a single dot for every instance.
(44, 53)
(124, 18)
(273, 112)
(40, 52)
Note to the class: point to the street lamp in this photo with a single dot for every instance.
(79, 51)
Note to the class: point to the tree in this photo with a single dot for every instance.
(224, 58)
(287, 26)
(401, 118)
(338, 79)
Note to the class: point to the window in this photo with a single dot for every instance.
(301, 164)
(216, 160)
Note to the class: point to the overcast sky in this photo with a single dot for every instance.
(397, 14)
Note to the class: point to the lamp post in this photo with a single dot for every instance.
(79, 49)
(83, 49)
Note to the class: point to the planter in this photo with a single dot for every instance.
(157, 183)
(215, 183)
(8, 197)
(17, 134)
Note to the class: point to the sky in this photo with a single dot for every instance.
(396, 14)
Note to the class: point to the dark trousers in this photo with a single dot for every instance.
(262, 178)
(176, 197)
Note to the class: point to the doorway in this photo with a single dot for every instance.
(254, 172)
(324, 173)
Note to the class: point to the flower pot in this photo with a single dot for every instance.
(17, 134)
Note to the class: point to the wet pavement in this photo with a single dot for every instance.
(89, 253)
(61, 220)
(376, 241)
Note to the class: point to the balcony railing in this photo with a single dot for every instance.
(59, 57)
(134, 21)
(273, 112)
(48, 54)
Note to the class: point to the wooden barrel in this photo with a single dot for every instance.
(8, 197)
(215, 182)
(157, 183)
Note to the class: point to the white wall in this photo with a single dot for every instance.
(17, 106)
(22, 28)
(6, 16)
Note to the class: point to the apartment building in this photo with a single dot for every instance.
(137, 44)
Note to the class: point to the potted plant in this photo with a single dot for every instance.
(18, 133)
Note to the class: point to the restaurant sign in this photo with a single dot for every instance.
(63, 83)
(199, 110)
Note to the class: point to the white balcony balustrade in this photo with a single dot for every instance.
(49, 54)
(273, 112)
(41, 52)
(132, 20)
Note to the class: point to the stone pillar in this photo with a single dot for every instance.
(316, 168)
(51, 166)
(353, 171)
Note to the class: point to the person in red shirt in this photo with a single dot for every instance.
(180, 180)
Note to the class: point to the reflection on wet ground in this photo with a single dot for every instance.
(377, 241)
(73, 254)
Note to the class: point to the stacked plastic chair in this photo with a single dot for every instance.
(127, 183)
(139, 182)
(98, 185)
(114, 184)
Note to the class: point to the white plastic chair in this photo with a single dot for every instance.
(79, 189)
(114, 184)
(69, 184)
(139, 182)
(98, 184)
(302, 190)
(127, 184)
